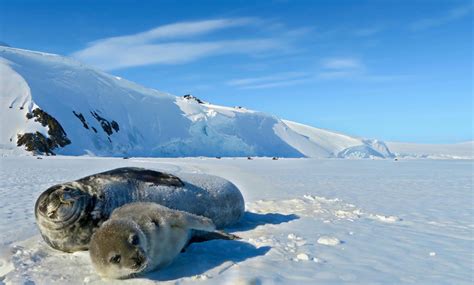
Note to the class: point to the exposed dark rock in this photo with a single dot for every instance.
(55, 131)
(82, 119)
(36, 143)
(115, 126)
(94, 129)
(191, 97)
(107, 126)
(274, 158)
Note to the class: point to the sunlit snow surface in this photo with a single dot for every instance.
(308, 222)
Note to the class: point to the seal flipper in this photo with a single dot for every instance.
(187, 220)
(202, 236)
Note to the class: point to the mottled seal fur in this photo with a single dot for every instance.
(142, 237)
(67, 214)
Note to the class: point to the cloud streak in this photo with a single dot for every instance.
(170, 44)
(334, 68)
(342, 63)
(342, 67)
(178, 30)
(367, 32)
(118, 56)
(452, 15)
(275, 80)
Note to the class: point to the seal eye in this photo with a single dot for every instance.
(115, 259)
(134, 239)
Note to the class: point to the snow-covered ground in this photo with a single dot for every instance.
(308, 222)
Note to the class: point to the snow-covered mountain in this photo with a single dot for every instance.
(463, 150)
(53, 104)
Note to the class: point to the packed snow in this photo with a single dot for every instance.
(307, 221)
(147, 122)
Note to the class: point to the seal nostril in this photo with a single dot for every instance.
(138, 262)
(138, 259)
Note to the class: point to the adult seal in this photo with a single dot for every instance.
(67, 214)
(143, 236)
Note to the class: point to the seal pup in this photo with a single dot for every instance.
(67, 214)
(142, 236)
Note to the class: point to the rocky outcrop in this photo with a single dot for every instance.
(82, 119)
(108, 127)
(39, 143)
(192, 98)
(36, 143)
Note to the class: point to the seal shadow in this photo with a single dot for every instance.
(211, 257)
(252, 220)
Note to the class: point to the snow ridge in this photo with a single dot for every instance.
(104, 115)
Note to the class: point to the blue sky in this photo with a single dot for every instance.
(393, 70)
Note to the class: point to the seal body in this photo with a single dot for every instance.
(67, 214)
(141, 237)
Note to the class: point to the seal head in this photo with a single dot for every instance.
(141, 237)
(64, 217)
(118, 249)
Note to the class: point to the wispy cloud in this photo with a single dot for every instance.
(341, 67)
(349, 68)
(452, 15)
(366, 32)
(172, 44)
(276, 77)
(115, 57)
(275, 80)
(342, 63)
(334, 68)
(179, 30)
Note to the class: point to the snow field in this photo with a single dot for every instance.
(307, 222)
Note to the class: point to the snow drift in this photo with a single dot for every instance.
(52, 104)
